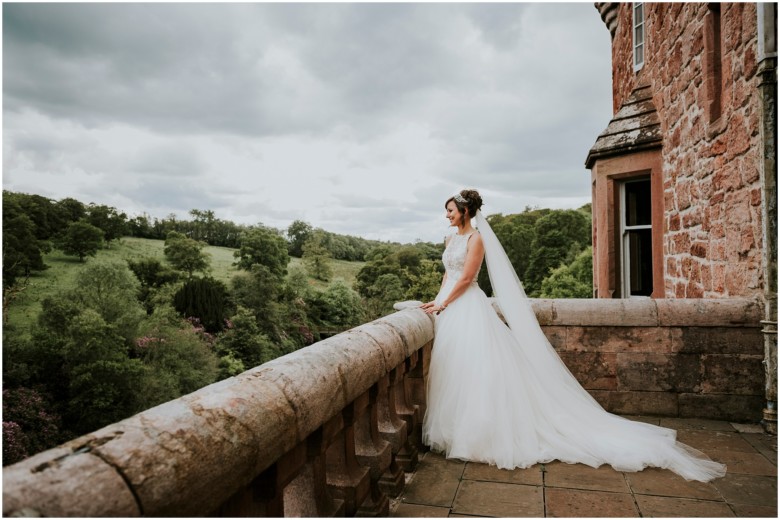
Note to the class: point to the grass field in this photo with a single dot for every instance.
(24, 310)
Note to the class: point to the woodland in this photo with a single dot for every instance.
(106, 315)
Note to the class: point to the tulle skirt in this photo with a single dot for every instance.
(486, 405)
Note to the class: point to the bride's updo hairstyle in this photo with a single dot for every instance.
(472, 202)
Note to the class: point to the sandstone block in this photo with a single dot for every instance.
(413, 325)
(641, 403)
(45, 484)
(593, 370)
(652, 372)
(708, 312)
(734, 374)
(722, 340)
(725, 407)
(622, 339)
(611, 312)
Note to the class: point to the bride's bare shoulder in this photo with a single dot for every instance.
(475, 239)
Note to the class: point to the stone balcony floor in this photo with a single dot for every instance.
(441, 487)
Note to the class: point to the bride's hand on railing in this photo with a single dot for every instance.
(431, 308)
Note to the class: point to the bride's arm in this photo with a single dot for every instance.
(443, 280)
(432, 303)
(474, 256)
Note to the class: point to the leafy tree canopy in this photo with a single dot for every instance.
(186, 254)
(109, 219)
(263, 246)
(81, 239)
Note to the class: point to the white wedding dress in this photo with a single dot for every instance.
(501, 395)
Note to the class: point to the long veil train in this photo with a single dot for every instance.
(565, 409)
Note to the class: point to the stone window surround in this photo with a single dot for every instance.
(607, 175)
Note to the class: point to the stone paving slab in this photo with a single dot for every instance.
(678, 423)
(745, 463)
(709, 441)
(566, 503)
(661, 482)
(580, 476)
(443, 487)
(754, 511)
(420, 511)
(435, 482)
(753, 490)
(765, 444)
(532, 476)
(497, 499)
(667, 507)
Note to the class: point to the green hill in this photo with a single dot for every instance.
(24, 309)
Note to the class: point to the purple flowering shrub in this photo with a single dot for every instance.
(28, 424)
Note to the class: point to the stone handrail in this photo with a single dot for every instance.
(326, 430)
(330, 429)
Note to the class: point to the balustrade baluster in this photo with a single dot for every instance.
(392, 429)
(407, 455)
(373, 452)
(346, 479)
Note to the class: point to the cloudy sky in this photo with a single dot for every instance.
(357, 118)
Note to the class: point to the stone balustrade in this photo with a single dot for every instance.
(329, 430)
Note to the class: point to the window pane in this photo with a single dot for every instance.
(639, 14)
(638, 209)
(640, 260)
(639, 55)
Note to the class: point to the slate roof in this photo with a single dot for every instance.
(635, 127)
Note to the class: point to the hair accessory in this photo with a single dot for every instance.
(459, 198)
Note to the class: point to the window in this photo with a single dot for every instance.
(639, 35)
(636, 231)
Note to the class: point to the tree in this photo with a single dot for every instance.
(71, 209)
(108, 288)
(22, 249)
(186, 254)
(265, 247)
(204, 224)
(244, 341)
(298, 281)
(316, 257)
(81, 239)
(258, 291)
(386, 291)
(204, 299)
(298, 233)
(107, 218)
(425, 281)
(104, 384)
(571, 281)
(339, 306)
(178, 354)
(560, 236)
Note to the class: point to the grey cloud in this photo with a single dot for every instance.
(510, 97)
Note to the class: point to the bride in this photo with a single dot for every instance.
(501, 395)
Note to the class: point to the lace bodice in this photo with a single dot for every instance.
(454, 257)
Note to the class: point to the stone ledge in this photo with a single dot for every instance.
(640, 312)
(648, 312)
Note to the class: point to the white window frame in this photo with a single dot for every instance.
(625, 250)
(638, 27)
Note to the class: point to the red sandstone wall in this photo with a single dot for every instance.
(712, 196)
